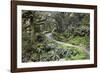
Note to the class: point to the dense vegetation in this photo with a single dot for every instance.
(52, 36)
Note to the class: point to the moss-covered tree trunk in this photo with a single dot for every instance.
(32, 31)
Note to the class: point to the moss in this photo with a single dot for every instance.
(80, 41)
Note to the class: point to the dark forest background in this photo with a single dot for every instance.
(55, 36)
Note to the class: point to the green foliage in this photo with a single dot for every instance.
(47, 52)
(64, 27)
(76, 54)
(60, 37)
(82, 31)
(80, 41)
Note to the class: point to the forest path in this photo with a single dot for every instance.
(50, 37)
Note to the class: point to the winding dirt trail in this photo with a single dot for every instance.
(50, 37)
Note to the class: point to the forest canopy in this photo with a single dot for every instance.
(52, 36)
